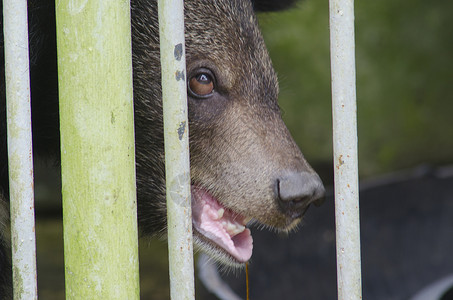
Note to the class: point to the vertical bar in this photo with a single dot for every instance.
(20, 159)
(179, 220)
(97, 149)
(344, 111)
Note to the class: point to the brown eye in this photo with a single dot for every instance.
(201, 85)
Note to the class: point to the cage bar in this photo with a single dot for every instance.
(344, 111)
(20, 157)
(97, 149)
(176, 133)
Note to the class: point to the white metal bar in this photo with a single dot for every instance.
(176, 132)
(20, 159)
(344, 111)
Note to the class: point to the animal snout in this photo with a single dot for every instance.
(296, 191)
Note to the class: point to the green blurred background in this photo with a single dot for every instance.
(404, 59)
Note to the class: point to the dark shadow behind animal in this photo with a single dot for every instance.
(245, 166)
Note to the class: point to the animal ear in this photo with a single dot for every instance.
(272, 5)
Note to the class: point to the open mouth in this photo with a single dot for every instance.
(221, 226)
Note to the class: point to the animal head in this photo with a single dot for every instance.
(245, 166)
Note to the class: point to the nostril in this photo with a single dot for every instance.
(297, 190)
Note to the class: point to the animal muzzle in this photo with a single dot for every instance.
(296, 191)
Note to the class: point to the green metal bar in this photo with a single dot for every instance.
(97, 149)
(20, 158)
(176, 133)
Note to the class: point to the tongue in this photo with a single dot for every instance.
(221, 225)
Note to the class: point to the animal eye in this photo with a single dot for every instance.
(201, 85)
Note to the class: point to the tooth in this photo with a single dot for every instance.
(234, 229)
(220, 213)
(230, 227)
(209, 211)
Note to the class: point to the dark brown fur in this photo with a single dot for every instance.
(239, 145)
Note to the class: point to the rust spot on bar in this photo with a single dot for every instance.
(178, 52)
(181, 130)
(340, 161)
(179, 75)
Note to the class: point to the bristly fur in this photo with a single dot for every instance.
(5, 253)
